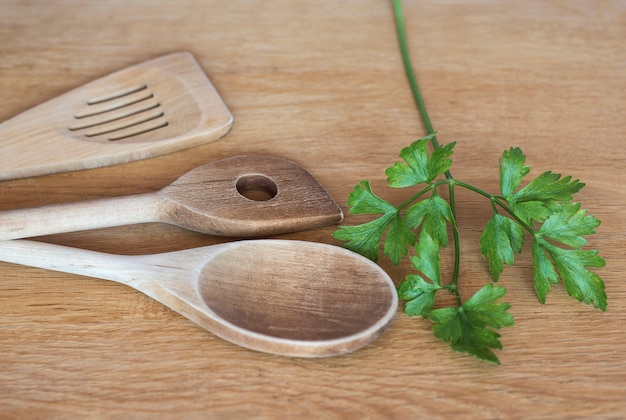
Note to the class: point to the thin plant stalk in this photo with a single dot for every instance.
(421, 106)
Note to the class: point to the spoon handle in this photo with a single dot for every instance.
(68, 260)
(70, 217)
(166, 277)
(169, 278)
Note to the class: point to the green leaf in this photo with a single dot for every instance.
(568, 225)
(414, 171)
(418, 166)
(363, 201)
(544, 273)
(498, 242)
(537, 200)
(427, 260)
(439, 161)
(512, 170)
(549, 187)
(541, 197)
(571, 264)
(530, 210)
(470, 327)
(365, 238)
(432, 214)
(398, 239)
(419, 294)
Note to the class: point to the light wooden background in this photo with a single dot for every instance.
(321, 83)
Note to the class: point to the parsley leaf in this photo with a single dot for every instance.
(580, 283)
(419, 167)
(537, 200)
(512, 170)
(427, 258)
(399, 238)
(568, 224)
(363, 201)
(432, 214)
(498, 242)
(567, 227)
(419, 293)
(544, 272)
(365, 238)
(470, 327)
(549, 187)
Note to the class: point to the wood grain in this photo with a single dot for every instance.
(321, 83)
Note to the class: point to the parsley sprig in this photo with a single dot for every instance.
(418, 229)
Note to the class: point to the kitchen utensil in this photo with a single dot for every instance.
(156, 107)
(292, 298)
(242, 196)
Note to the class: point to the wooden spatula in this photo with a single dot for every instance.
(149, 109)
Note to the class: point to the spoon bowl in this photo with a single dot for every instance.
(291, 298)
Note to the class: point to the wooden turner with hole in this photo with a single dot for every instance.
(156, 107)
(242, 196)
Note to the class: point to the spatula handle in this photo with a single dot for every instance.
(70, 217)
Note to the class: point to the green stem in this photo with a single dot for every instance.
(410, 73)
(471, 188)
(421, 106)
(457, 247)
(416, 196)
(511, 213)
(495, 200)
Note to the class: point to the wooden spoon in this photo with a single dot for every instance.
(156, 107)
(292, 298)
(243, 196)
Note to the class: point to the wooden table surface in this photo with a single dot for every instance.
(321, 83)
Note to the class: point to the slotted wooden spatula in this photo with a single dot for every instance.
(156, 107)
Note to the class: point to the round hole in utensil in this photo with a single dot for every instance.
(257, 187)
